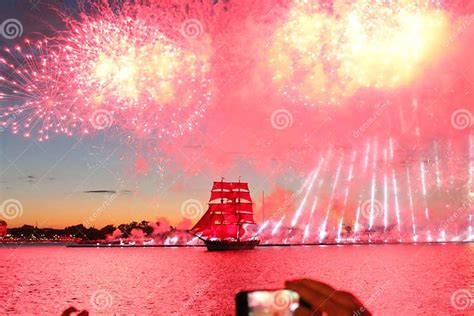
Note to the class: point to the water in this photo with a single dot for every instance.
(390, 279)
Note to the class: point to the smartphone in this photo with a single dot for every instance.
(267, 302)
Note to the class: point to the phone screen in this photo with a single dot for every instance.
(275, 303)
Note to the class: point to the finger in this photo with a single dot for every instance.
(330, 299)
(340, 298)
(320, 287)
(362, 311)
(303, 311)
(348, 299)
(69, 311)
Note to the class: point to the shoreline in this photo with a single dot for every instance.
(73, 245)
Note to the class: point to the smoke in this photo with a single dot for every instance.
(184, 224)
(280, 202)
(161, 226)
(161, 233)
(137, 235)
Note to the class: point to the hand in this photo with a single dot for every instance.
(69, 311)
(322, 299)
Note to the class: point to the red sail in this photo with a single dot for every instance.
(223, 214)
(216, 224)
(245, 213)
(241, 185)
(243, 196)
(227, 195)
(245, 207)
(224, 221)
(234, 196)
(246, 218)
(219, 209)
(230, 219)
(228, 232)
(203, 226)
(220, 185)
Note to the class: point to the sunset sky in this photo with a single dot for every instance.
(272, 119)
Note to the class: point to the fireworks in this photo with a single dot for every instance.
(109, 67)
(351, 211)
(38, 93)
(147, 66)
(323, 52)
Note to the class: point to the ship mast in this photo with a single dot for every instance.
(222, 200)
(239, 223)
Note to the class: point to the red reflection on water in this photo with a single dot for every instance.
(393, 279)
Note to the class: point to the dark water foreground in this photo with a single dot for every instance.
(390, 279)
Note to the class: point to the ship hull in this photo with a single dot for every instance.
(220, 245)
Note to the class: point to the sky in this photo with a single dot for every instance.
(294, 85)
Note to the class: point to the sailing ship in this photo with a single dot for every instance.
(228, 221)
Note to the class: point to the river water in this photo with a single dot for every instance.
(389, 279)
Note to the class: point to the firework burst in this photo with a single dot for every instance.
(326, 52)
(37, 92)
(116, 63)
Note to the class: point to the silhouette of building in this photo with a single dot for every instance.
(3, 228)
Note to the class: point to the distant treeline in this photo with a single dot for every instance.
(87, 233)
